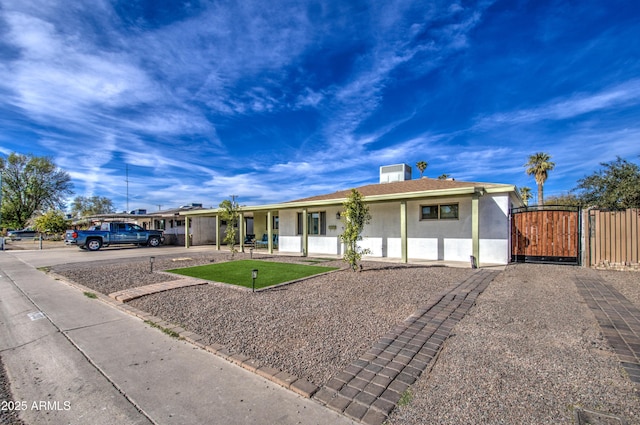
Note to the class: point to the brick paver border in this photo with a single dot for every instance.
(371, 386)
(140, 291)
(619, 321)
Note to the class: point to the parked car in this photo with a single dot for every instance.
(16, 235)
(113, 234)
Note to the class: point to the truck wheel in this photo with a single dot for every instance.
(94, 244)
(154, 241)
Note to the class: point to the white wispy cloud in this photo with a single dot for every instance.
(216, 97)
(617, 96)
(399, 43)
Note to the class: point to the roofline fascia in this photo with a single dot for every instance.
(470, 190)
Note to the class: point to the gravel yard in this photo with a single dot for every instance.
(529, 352)
(311, 329)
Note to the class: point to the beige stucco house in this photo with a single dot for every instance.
(421, 219)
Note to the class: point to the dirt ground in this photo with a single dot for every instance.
(31, 244)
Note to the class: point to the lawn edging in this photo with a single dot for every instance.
(279, 285)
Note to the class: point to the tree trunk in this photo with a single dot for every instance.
(540, 194)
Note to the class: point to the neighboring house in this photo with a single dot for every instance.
(169, 221)
(173, 224)
(422, 219)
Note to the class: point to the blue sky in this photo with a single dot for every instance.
(275, 101)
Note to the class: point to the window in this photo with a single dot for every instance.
(449, 212)
(316, 223)
(439, 212)
(429, 212)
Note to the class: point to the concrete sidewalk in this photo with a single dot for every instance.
(76, 360)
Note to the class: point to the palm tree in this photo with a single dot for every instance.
(443, 176)
(539, 165)
(422, 165)
(525, 193)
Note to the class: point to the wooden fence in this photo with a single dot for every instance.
(613, 240)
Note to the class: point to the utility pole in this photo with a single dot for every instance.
(126, 179)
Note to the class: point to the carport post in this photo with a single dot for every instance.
(186, 232)
(269, 233)
(241, 232)
(218, 232)
(403, 232)
(305, 232)
(475, 227)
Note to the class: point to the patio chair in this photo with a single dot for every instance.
(264, 242)
(249, 240)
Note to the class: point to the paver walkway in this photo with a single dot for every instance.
(140, 291)
(619, 320)
(370, 387)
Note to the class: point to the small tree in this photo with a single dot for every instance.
(615, 186)
(422, 165)
(443, 176)
(31, 184)
(51, 222)
(566, 199)
(525, 193)
(83, 206)
(231, 214)
(538, 166)
(355, 216)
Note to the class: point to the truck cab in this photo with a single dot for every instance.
(113, 234)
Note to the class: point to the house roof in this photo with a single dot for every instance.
(408, 186)
(176, 211)
(384, 192)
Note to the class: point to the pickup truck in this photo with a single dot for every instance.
(113, 234)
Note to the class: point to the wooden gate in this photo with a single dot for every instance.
(545, 234)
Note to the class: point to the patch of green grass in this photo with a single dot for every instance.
(239, 272)
(90, 294)
(405, 399)
(172, 334)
